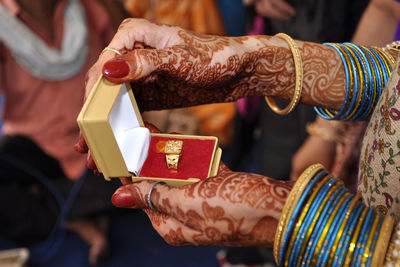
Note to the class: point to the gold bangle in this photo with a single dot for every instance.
(299, 78)
(383, 242)
(290, 205)
(392, 255)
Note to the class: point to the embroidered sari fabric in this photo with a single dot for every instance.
(379, 167)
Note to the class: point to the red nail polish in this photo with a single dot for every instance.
(116, 68)
(122, 198)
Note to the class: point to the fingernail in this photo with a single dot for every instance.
(116, 68)
(122, 198)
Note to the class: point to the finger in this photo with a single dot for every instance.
(223, 169)
(125, 180)
(151, 127)
(132, 34)
(92, 165)
(134, 65)
(163, 197)
(81, 146)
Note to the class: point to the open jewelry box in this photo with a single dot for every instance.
(121, 146)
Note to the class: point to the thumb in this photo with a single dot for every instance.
(133, 65)
(136, 196)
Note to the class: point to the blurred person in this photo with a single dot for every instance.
(46, 48)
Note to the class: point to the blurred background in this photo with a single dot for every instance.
(101, 235)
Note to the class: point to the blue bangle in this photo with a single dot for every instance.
(363, 236)
(385, 61)
(357, 89)
(375, 80)
(342, 248)
(320, 111)
(371, 95)
(332, 232)
(379, 72)
(311, 215)
(368, 90)
(386, 74)
(321, 223)
(296, 211)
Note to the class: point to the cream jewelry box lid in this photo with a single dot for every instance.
(114, 131)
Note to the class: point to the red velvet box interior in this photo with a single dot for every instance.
(194, 162)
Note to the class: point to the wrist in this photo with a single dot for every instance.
(256, 69)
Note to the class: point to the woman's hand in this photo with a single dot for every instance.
(235, 209)
(170, 67)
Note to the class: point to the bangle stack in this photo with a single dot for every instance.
(367, 71)
(323, 224)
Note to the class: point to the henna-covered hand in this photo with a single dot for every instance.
(231, 209)
(170, 67)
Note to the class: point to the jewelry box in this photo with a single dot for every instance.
(121, 146)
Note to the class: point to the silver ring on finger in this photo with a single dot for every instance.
(149, 195)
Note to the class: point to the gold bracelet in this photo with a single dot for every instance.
(383, 242)
(290, 205)
(299, 78)
(392, 255)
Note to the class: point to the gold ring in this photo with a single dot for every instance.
(172, 161)
(173, 149)
(299, 78)
(112, 50)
